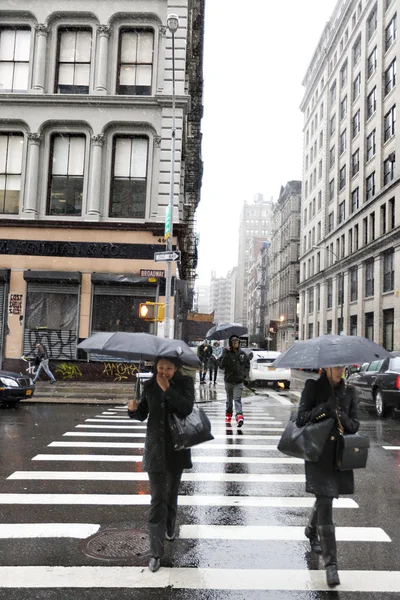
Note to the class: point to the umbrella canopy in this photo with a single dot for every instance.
(139, 346)
(330, 351)
(223, 331)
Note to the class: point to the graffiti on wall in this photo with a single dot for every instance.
(119, 371)
(59, 344)
(68, 371)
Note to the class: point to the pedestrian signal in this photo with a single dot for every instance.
(152, 311)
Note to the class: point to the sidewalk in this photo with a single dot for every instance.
(73, 392)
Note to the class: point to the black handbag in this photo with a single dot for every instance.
(190, 430)
(305, 442)
(352, 452)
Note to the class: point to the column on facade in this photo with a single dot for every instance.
(335, 306)
(39, 64)
(322, 312)
(346, 296)
(31, 209)
(100, 83)
(361, 300)
(378, 304)
(95, 178)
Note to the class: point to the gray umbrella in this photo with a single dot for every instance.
(223, 331)
(330, 351)
(139, 346)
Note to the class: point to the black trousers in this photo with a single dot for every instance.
(164, 489)
(213, 371)
(323, 506)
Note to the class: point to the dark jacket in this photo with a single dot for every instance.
(204, 352)
(322, 477)
(156, 404)
(236, 365)
(42, 352)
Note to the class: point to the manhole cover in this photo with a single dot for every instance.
(114, 544)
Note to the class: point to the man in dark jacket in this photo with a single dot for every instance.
(43, 362)
(236, 365)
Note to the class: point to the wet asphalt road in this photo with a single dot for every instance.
(259, 565)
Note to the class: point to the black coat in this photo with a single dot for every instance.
(236, 365)
(156, 404)
(322, 477)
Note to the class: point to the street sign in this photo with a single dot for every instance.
(172, 256)
(151, 273)
(167, 228)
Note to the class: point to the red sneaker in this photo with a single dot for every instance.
(228, 419)
(239, 420)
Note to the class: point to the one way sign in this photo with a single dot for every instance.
(172, 256)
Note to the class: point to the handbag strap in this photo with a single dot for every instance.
(340, 424)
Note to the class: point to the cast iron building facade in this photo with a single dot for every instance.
(222, 297)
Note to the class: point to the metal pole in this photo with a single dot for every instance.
(341, 306)
(168, 279)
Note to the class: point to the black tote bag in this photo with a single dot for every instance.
(190, 430)
(305, 442)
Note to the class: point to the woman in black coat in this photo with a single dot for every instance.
(166, 392)
(323, 398)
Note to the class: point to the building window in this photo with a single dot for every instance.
(383, 219)
(372, 62)
(357, 51)
(392, 216)
(319, 201)
(353, 324)
(342, 212)
(372, 226)
(320, 170)
(333, 93)
(372, 22)
(356, 87)
(321, 139)
(356, 237)
(370, 186)
(329, 293)
(390, 124)
(342, 177)
(318, 295)
(67, 165)
(128, 189)
(343, 108)
(388, 271)
(356, 122)
(342, 142)
(371, 103)
(388, 3)
(332, 126)
(340, 290)
(331, 157)
(391, 32)
(369, 326)
(329, 326)
(371, 145)
(135, 62)
(331, 189)
(355, 195)
(369, 278)
(343, 75)
(353, 284)
(311, 300)
(390, 77)
(355, 163)
(14, 60)
(330, 222)
(11, 146)
(388, 168)
(388, 329)
(74, 57)
(310, 331)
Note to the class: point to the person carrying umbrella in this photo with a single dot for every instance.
(166, 392)
(326, 397)
(236, 365)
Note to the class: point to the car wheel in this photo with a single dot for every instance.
(381, 409)
(287, 385)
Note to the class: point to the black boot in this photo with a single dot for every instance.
(329, 554)
(311, 532)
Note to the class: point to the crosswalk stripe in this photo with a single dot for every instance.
(142, 435)
(280, 398)
(134, 427)
(391, 447)
(128, 476)
(144, 500)
(47, 530)
(196, 578)
(210, 445)
(196, 459)
(281, 533)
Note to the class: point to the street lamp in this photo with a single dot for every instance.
(342, 284)
(173, 25)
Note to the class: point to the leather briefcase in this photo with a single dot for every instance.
(352, 452)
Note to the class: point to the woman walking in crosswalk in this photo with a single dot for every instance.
(321, 399)
(166, 392)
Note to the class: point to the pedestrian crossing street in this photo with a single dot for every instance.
(241, 497)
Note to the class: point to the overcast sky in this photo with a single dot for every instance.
(255, 60)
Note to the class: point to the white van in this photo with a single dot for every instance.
(261, 370)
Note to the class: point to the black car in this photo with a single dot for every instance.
(15, 387)
(378, 382)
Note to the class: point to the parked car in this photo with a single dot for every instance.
(378, 383)
(14, 387)
(350, 369)
(262, 371)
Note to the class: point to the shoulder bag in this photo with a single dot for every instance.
(351, 450)
(190, 430)
(305, 442)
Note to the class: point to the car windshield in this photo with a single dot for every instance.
(395, 364)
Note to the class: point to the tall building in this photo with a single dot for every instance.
(284, 265)
(257, 291)
(351, 202)
(202, 298)
(85, 162)
(254, 223)
(222, 297)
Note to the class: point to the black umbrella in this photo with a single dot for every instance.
(139, 346)
(330, 351)
(223, 331)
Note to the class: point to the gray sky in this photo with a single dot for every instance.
(255, 60)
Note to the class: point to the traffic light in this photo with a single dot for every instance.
(152, 311)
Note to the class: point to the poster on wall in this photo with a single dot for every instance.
(15, 304)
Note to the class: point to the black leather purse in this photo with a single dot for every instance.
(351, 450)
(305, 442)
(190, 430)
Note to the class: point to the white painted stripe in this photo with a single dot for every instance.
(279, 398)
(134, 427)
(211, 444)
(196, 579)
(127, 476)
(259, 532)
(391, 447)
(196, 459)
(47, 530)
(144, 500)
(142, 435)
(297, 394)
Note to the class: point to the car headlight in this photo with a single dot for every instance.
(8, 382)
